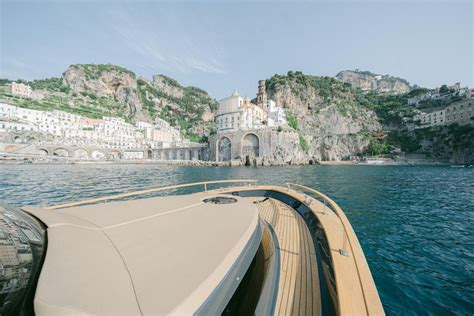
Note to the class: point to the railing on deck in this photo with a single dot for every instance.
(336, 209)
(349, 239)
(123, 195)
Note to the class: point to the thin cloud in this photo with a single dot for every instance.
(180, 52)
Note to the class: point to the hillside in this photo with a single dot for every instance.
(108, 90)
(326, 112)
(337, 120)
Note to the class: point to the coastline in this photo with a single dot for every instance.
(197, 163)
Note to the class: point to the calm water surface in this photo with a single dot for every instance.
(415, 224)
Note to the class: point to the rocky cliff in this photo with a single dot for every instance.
(187, 108)
(367, 81)
(326, 113)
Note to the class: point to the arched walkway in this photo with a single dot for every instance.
(61, 152)
(81, 154)
(224, 149)
(42, 152)
(114, 154)
(98, 155)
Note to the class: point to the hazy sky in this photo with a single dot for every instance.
(223, 45)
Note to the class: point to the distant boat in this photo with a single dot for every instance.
(457, 166)
(375, 161)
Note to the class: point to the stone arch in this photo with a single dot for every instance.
(180, 154)
(224, 149)
(98, 155)
(42, 152)
(114, 154)
(250, 146)
(188, 154)
(81, 153)
(148, 154)
(61, 152)
(17, 139)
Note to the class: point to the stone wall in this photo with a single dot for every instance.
(257, 147)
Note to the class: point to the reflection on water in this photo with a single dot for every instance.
(414, 223)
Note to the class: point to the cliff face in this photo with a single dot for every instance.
(107, 81)
(188, 108)
(325, 113)
(368, 81)
(451, 143)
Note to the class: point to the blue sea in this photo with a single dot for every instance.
(415, 223)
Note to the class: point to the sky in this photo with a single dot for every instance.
(222, 45)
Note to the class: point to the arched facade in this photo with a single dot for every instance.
(114, 154)
(61, 152)
(250, 146)
(42, 152)
(98, 155)
(17, 139)
(224, 149)
(81, 153)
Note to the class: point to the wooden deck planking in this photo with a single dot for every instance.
(299, 284)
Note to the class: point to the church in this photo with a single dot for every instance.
(245, 128)
(236, 113)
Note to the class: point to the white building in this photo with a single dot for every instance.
(73, 129)
(461, 112)
(237, 113)
(21, 90)
(17, 126)
(431, 118)
(276, 114)
(146, 128)
(133, 154)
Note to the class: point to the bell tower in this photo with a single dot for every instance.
(262, 95)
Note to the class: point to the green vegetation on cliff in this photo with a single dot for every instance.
(328, 87)
(52, 99)
(192, 105)
(94, 71)
(50, 84)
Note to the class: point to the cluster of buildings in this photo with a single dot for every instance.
(438, 95)
(246, 128)
(236, 113)
(76, 130)
(460, 112)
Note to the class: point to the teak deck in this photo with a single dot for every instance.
(353, 291)
(299, 282)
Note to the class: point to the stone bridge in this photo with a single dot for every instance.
(192, 152)
(79, 152)
(179, 153)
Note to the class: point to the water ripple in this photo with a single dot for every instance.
(415, 224)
